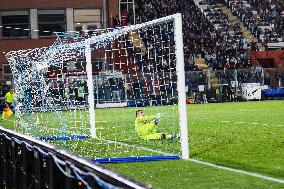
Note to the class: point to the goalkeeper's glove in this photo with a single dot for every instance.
(157, 117)
(156, 121)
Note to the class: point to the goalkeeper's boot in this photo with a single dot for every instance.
(163, 136)
(178, 136)
(175, 136)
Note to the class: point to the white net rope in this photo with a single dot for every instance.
(140, 73)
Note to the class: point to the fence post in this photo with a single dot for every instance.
(8, 165)
(14, 166)
(55, 177)
(25, 173)
(50, 172)
(3, 163)
(236, 82)
(208, 80)
(37, 172)
(68, 181)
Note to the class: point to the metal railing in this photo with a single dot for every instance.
(27, 163)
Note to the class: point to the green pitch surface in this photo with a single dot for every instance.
(247, 136)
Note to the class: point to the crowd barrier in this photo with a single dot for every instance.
(28, 163)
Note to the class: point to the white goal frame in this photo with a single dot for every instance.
(87, 45)
(178, 36)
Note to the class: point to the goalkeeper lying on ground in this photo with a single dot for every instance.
(145, 126)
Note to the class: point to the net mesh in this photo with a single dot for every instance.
(133, 68)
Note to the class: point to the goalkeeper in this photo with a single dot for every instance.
(145, 126)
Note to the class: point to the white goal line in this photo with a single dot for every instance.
(236, 170)
(135, 146)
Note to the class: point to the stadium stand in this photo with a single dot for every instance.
(208, 34)
(219, 39)
(265, 19)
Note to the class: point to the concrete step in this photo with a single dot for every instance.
(214, 80)
(234, 19)
(215, 85)
(200, 62)
(202, 66)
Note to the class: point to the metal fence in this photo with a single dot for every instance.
(212, 83)
(27, 163)
(152, 89)
(271, 77)
(161, 87)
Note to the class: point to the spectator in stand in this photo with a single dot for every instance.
(115, 21)
(263, 18)
(207, 34)
(114, 86)
(124, 17)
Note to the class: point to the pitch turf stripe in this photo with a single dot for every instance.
(237, 171)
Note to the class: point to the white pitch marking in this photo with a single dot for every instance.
(205, 163)
(132, 145)
(237, 171)
(240, 122)
(225, 121)
(254, 123)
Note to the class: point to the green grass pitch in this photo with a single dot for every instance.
(247, 136)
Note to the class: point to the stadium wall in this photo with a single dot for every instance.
(268, 59)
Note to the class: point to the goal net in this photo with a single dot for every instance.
(84, 91)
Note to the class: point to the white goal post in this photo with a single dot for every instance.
(181, 86)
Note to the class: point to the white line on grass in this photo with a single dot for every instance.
(250, 123)
(254, 123)
(240, 122)
(204, 163)
(237, 171)
(135, 146)
(225, 121)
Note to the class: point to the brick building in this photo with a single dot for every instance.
(26, 24)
